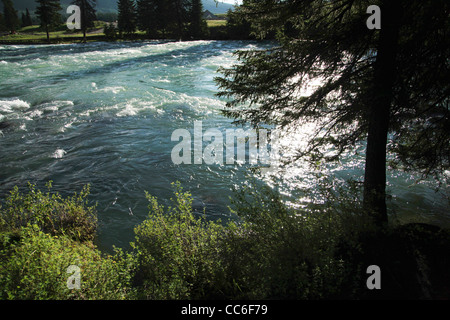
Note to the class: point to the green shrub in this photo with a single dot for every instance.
(71, 216)
(35, 267)
(178, 253)
(270, 251)
(282, 252)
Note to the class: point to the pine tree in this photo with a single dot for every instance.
(197, 27)
(2, 23)
(178, 16)
(10, 18)
(166, 17)
(151, 16)
(127, 16)
(23, 19)
(88, 15)
(28, 20)
(387, 86)
(48, 13)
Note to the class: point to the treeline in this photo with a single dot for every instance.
(158, 19)
(48, 14)
(9, 18)
(179, 19)
(162, 18)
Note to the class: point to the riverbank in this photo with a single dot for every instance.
(273, 253)
(33, 36)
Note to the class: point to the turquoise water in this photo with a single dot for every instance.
(104, 113)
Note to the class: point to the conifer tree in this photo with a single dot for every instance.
(2, 23)
(48, 13)
(388, 87)
(127, 16)
(197, 27)
(88, 16)
(151, 16)
(28, 20)
(10, 18)
(23, 18)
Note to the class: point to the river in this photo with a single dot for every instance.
(104, 113)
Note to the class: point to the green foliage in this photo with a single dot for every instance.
(88, 13)
(237, 26)
(163, 18)
(373, 85)
(41, 235)
(10, 18)
(126, 16)
(35, 267)
(53, 214)
(271, 251)
(110, 31)
(48, 13)
(2, 22)
(285, 253)
(177, 252)
(197, 25)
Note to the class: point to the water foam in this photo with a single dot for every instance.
(59, 153)
(114, 90)
(8, 106)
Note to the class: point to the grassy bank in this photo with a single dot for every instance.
(35, 35)
(267, 251)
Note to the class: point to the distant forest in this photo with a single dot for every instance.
(107, 6)
(161, 19)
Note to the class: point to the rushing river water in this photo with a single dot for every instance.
(104, 113)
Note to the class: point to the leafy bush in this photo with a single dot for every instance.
(35, 267)
(282, 252)
(178, 253)
(270, 251)
(110, 31)
(71, 216)
(41, 235)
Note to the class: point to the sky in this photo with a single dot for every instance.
(231, 1)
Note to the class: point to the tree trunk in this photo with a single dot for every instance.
(179, 22)
(379, 115)
(83, 19)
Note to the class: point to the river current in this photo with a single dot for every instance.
(103, 114)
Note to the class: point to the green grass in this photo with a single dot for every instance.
(216, 23)
(36, 34)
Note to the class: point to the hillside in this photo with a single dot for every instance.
(111, 5)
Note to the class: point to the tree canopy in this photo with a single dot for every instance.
(388, 86)
(171, 18)
(88, 16)
(10, 19)
(127, 16)
(48, 14)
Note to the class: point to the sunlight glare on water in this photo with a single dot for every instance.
(103, 114)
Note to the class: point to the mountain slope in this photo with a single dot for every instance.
(111, 5)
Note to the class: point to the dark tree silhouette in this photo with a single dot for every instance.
(388, 86)
(127, 16)
(48, 13)
(88, 16)
(10, 19)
